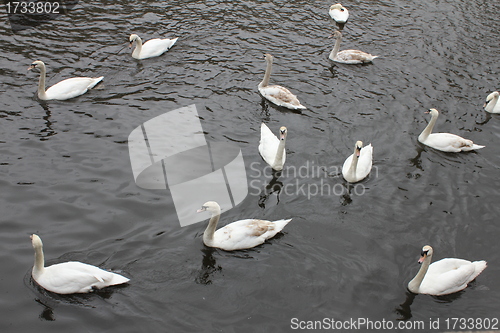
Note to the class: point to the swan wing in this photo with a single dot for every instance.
(245, 234)
(354, 57)
(281, 96)
(447, 276)
(76, 277)
(156, 47)
(72, 87)
(450, 142)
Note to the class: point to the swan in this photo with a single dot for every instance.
(277, 94)
(152, 48)
(349, 57)
(70, 277)
(65, 89)
(444, 141)
(492, 105)
(358, 165)
(445, 276)
(339, 13)
(239, 235)
(271, 148)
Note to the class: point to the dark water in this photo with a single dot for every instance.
(65, 170)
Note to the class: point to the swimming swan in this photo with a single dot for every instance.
(239, 235)
(65, 89)
(271, 148)
(492, 105)
(445, 276)
(152, 48)
(349, 57)
(359, 164)
(339, 13)
(72, 276)
(444, 141)
(277, 94)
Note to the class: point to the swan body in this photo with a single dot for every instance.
(70, 277)
(358, 165)
(65, 89)
(278, 95)
(445, 276)
(444, 141)
(339, 13)
(492, 104)
(350, 57)
(152, 48)
(271, 148)
(239, 235)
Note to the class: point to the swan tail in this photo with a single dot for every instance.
(172, 42)
(280, 224)
(95, 81)
(479, 266)
(474, 146)
(117, 279)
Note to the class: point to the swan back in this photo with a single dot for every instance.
(339, 13)
(492, 104)
(271, 148)
(70, 277)
(445, 276)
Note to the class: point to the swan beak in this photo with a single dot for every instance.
(422, 257)
(31, 67)
(31, 237)
(484, 105)
(202, 209)
(358, 151)
(427, 112)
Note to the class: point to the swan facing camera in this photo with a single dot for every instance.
(29, 14)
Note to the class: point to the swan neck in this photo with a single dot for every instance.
(414, 285)
(267, 75)
(39, 261)
(208, 235)
(336, 47)
(354, 163)
(428, 129)
(278, 161)
(138, 47)
(41, 82)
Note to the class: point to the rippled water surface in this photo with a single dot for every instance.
(349, 251)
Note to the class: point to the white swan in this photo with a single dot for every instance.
(65, 89)
(271, 148)
(444, 141)
(70, 277)
(339, 13)
(445, 276)
(492, 105)
(152, 48)
(239, 235)
(358, 165)
(277, 94)
(349, 57)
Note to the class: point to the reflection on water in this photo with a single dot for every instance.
(209, 266)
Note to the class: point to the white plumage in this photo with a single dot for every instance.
(492, 104)
(152, 48)
(446, 142)
(70, 277)
(445, 276)
(65, 89)
(350, 57)
(239, 235)
(339, 13)
(359, 164)
(271, 148)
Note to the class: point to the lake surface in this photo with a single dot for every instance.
(350, 250)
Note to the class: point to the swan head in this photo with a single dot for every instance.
(433, 112)
(358, 147)
(490, 97)
(283, 132)
(426, 252)
(268, 57)
(133, 38)
(338, 6)
(211, 207)
(36, 241)
(36, 64)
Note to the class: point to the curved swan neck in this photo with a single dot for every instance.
(267, 75)
(138, 47)
(414, 284)
(41, 82)
(39, 261)
(208, 235)
(428, 130)
(336, 47)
